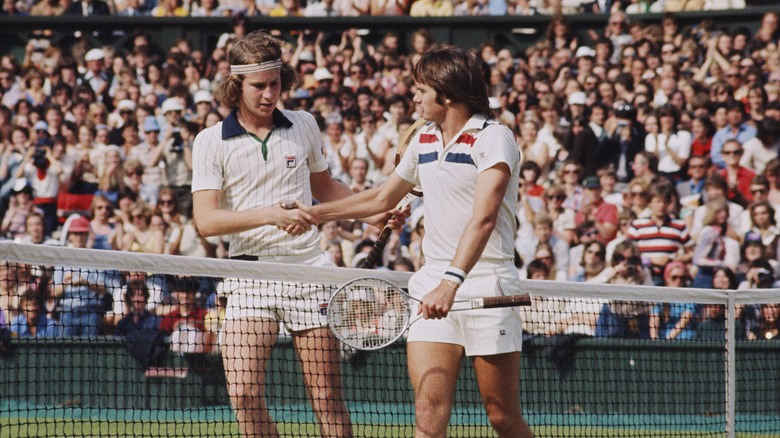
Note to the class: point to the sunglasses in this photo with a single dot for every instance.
(758, 191)
(737, 152)
(134, 173)
(676, 277)
(569, 172)
(590, 233)
(165, 201)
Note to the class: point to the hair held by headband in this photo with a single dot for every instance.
(256, 52)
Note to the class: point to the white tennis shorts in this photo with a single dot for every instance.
(480, 332)
(295, 305)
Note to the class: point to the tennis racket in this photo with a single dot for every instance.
(376, 251)
(371, 313)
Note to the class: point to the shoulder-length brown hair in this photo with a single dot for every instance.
(457, 75)
(257, 47)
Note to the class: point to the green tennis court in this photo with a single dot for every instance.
(29, 420)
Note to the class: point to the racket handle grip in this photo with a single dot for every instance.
(507, 301)
(376, 251)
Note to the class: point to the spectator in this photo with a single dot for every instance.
(19, 207)
(737, 129)
(105, 229)
(715, 186)
(661, 238)
(431, 8)
(41, 168)
(143, 238)
(563, 218)
(32, 320)
(702, 131)
(674, 320)
(593, 254)
(737, 177)
(34, 231)
(80, 291)
(759, 150)
(713, 323)
(88, 8)
(713, 247)
(175, 152)
(594, 209)
(543, 227)
(671, 145)
(694, 185)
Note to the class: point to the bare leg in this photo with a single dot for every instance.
(319, 355)
(498, 377)
(433, 369)
(246, 347)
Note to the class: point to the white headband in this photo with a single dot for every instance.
(253, 68)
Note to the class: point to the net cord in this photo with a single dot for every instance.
(179, 265)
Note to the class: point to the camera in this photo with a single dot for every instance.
(39, 158)
(763, 276)
(178, 144)
(634, 261)
(624, 111)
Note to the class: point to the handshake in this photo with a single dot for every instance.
(297, 218)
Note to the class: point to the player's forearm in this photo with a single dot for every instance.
(217, 222)
(472, 242)
(356, 206)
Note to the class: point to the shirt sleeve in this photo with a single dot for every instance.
(496, 145)
(207, 160)
(407, 167)
(311, 135)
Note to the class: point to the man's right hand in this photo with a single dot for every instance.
(296, 218)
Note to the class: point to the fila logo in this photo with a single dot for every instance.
(323, 308)
(290, 161)
(502, 332)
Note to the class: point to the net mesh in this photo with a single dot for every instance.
(590, 366)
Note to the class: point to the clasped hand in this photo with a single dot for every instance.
(296, 218)
(437, 303)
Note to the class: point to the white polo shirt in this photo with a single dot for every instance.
(226, 158)
(448, 178)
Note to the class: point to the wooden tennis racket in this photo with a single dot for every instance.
(403, 143)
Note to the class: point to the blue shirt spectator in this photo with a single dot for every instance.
(737, 129)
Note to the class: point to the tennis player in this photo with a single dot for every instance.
(244, 168)
(468, 167)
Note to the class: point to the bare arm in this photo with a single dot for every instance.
(366, 203)
(213, 221)
(491, 186)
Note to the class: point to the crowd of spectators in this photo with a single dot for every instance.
(352, 8)
(651, 157)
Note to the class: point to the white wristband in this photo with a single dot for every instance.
(455, 275)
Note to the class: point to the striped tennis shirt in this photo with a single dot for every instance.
(227, 158)
(653, 240)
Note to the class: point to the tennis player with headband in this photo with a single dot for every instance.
(468, 167)
(244, 169)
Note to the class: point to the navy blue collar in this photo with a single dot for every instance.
(231, 127)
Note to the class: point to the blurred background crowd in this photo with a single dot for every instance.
(651, 153)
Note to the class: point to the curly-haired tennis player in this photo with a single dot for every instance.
(244, 168)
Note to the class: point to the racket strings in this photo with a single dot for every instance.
(368, 314)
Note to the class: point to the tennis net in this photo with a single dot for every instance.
(589, 366)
